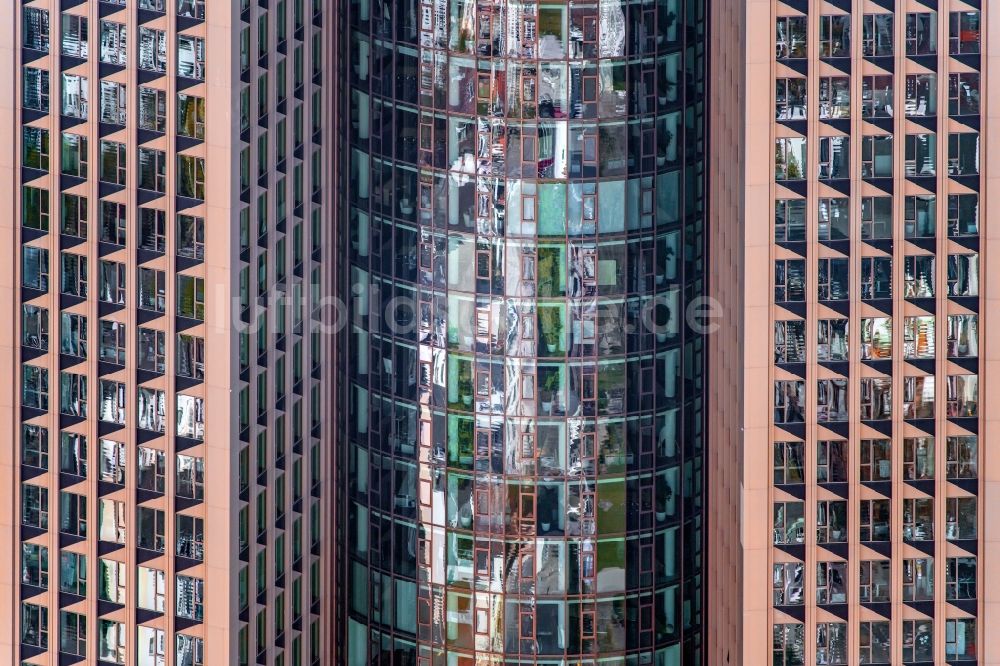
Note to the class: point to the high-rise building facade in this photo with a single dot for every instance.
(522, 234)
(865, 485)
(163, 243)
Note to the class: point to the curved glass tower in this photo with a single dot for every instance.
(521, 409)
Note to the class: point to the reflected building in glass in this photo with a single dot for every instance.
(520, 437)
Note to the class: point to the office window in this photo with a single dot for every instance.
(111, 637)
(921, 155)
(918, 641)
(190, 477)
(876, 581)
(35, 208)
(918, 579)
(152, 50)
(151, 410)
(960, 578)
(112, 342)
(918, 458)
(964, 32)
(190, 416)
(790, 158)
(152, 109)
(35, 387)
(790, 98)
(962, 396)
(191, 8)
(789, 525)
(833, 279)
(831, 461)
(35, 148)
(112, 282)
(191, 297)
(190, 236)
(190, 651)
(190, 356)
(918, 276)
(73, 335)
(34, 506)
(789, 341)
(191, 56)
(74, 215)
(190, 116)
(876, 218)
(152, 589)
(788, 645)
(921, 33)
(152, 289)
(112, 462)
(789, 401)
(831, 400)
(789, 280)
(876, 460)
(190, 597)
(151, 350)
(877, 35)
(74, 36)
(960, 639)
(963, 457)
(75, 95)
(919, 216)
(35, 29)
(114, 43)
(876, 156)
(151, 466)
(963, 94)
(111, 579)
(72, 514)
(874, 520)
(874, 640)
(73, 454)
(35, 565)
(73, 573)
(961, 518)
(152, 170)
(154, 5)
(35, 327)
(151, 649)
(831, 521)
(834, 157)
(35, 89)
(34, 446)
(112, 397)
(191, 176)
(835, 36)
(114, 103)
(831, 582)
(151, 526)
(113, 162)
(834, 97)
(963, 153)
(876, 277)
(918, 337)
(34, 625)
(918, 519)
(963, 215)
(963, 274)
(190, 537)
(74, 275)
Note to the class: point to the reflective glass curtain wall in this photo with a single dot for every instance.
(521, 404)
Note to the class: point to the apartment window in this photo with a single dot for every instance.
(152, 109)
(74, 215)
(113, 162)
(151, 468)
(963, 215)
(190, 116)
(918, 397)
(790, 158)
(151, 409)
(113, 223)
(876, 218)
(876, 278)
(963, 396)
(34, 506)
(788, 645)
(152, 289)
(35, 327)
(35, 387)
(191, 56)
(877, 35)
(35, 29)
(876, 581)
(834, 218)
(35, 565)
(112, 342)
(790, 98)
(918, 337)
(833, 279)
(35, 148)
(152, 647)
(190, 236)
(190, 477)
(963, 153)
(111, 641)
(831, 521)
(36, 89)
(874, 641)
(921, 33)
(155, 5)
(190, 417)
(876, 460)
(114, 43)
(111, 577)
(789, 341)
(918, 519)
(963, 274)
(789, 400)
(964, 32)
(834, 157)
(789, 280)
(73, 454)
(790, 37)
(962, 457)
(35, 208)
(152, 589)
(921, 95)
(152, 170)
(74, 275)
(831, 582)
(75, 96)
(788, 463)
(152, 229)
(72, 514)
(788, 584)
(73, 574)
(191, 176)
(151, 526)
(961, 517)
(112, 462)
(151, 350)
(918, 276)
(960, 578)
(918, 458)
(835, 36)
(960, 639)
(190, 537)
(919, 216)
(74, 36)
(34, 446)
(834, 97)
(112, 282)
(918, 579)
(114, 103)
(191, 297)
(152, 50)
(874, 520)
(112, 396)
(876, 156)
(34, 625)
(921, 155)
(831, 643)
(831, 400)
(831, 461)
(190, 356)
(190, 651)
(190, 597)
(963, 94)
(789, 220)
(191, 8)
